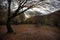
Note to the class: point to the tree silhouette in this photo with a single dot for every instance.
(16, 13)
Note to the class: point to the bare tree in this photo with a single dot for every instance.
(16, 13)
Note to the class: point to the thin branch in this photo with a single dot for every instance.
(21, 12)
(25, 1)
(20, 6)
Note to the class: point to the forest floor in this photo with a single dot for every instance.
(30, 32)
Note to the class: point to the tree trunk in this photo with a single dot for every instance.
(8, 26)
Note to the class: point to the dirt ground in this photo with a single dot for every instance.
(30, 32)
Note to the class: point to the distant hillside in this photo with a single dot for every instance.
(50, 19)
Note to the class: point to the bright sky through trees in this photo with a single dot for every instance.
(44, 7)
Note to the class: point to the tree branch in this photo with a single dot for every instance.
(25, 1)
(21, 12)
(21, 5)
(18, 8)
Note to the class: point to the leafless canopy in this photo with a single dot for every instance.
(22, 4)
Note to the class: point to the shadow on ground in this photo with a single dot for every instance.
(30, 32)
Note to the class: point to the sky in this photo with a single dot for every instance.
(45, 7)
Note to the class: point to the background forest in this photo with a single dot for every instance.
(40, 22)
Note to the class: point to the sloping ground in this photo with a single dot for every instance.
(31, 32)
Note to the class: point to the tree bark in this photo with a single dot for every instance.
(8, 26)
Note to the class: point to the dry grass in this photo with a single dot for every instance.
(30, 32)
